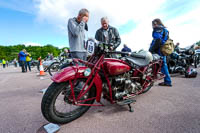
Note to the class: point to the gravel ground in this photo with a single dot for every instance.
(161, 110)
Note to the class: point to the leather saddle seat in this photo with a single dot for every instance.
(142, 61)
(137, 61)
(156, 57)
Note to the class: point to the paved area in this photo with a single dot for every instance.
(161, 110)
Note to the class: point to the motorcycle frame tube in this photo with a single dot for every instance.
(153, 77)
(96, 79)
(145, 82)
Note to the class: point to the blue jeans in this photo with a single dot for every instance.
(28, 64)
(165, 71)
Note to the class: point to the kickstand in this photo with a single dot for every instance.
(130, 109)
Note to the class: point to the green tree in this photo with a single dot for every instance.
(11, 52)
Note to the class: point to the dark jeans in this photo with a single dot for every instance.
(23, 66)
(4, 65)
(19, 63)
(28, 64)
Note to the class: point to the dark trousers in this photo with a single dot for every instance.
(28, 64)
(4, 65)
(79, 55)
(23, 66)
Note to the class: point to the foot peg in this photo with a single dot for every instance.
(127, 102)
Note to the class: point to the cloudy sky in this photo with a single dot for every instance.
(41, 22)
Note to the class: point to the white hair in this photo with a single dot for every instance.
(104, 19)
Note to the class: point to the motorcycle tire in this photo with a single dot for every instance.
(38, 67)
(195, 62)
(46, 69)
(65, 65)
(54, 67)
(49, 109)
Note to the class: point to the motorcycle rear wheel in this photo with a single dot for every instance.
(53, 68)
(38, 67)
(48, 105)
(195, 61)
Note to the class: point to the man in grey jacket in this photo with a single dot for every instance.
(108, 34)
(76, 33)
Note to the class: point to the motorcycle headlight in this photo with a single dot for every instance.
(87, 72)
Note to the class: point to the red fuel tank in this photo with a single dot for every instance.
(115, 66)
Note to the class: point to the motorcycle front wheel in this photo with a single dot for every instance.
(57, 106)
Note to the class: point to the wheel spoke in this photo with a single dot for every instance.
(64, 104)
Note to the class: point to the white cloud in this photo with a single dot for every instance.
(119, 12)
(185, 29)
(31, 44)
(141, 12)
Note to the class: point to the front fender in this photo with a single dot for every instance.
(69, 73)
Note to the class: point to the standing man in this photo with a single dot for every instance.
(22, 58)
(125, 49)
(108, 34)
(77, 27)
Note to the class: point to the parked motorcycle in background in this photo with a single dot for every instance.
(75, 88)
(181, 60)
(60, 63)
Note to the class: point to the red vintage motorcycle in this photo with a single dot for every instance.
(76, 87)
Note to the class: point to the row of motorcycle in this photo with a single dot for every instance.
(51, 65)
(184, 61)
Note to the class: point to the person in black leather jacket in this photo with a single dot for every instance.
(108, 34)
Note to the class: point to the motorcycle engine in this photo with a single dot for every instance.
(123, 86)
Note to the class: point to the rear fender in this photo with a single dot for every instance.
(69, 73)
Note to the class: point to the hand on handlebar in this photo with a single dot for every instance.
(111, 48)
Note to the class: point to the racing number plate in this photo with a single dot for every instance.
(91, 47)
